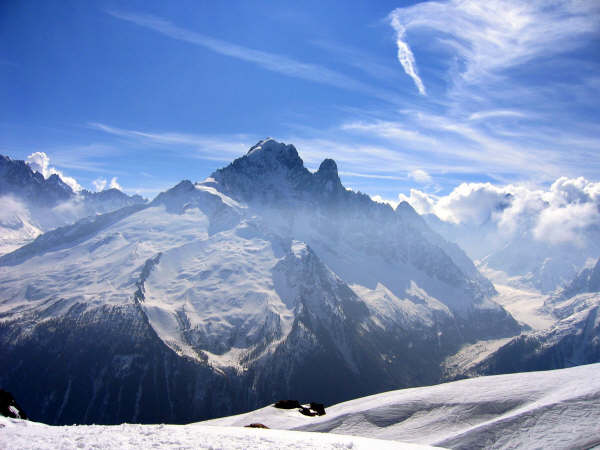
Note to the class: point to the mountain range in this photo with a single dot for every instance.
(33, 204)
(264, 281)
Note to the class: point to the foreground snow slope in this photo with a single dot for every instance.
(553, 409)
(20, 434)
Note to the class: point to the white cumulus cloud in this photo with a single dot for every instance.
(101, 184)
(40, 162)
(559, 214)
(114, 185)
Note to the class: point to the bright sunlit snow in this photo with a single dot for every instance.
(21, 434)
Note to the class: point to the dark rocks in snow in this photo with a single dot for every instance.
(319, 408)
(313, 408)
(257, 425)
(307, 411)
(9, 406)
(287, 404)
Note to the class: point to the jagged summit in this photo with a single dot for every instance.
(269, 145)
(270, 152)
(268, 172)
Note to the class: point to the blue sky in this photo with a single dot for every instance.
(400, 94)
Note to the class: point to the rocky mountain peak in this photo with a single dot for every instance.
(269, 152)
(328, 168)
(328, 175)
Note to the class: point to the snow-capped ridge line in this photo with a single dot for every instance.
(68, 235)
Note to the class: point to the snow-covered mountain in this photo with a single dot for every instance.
(588, 280)
(32, 204)
(265, 281)
(551, 409)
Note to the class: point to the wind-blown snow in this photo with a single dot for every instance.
(552, 409)
(22, 434)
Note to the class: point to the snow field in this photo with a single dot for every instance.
(20, 434)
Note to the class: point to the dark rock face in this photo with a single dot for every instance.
(9, 406)
(107, 366)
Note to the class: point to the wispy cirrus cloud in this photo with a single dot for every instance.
(512, 99)
(270, 61)
(495, 35)
(405, 54)
(440, 143)
(481, 115)
(216, 148)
